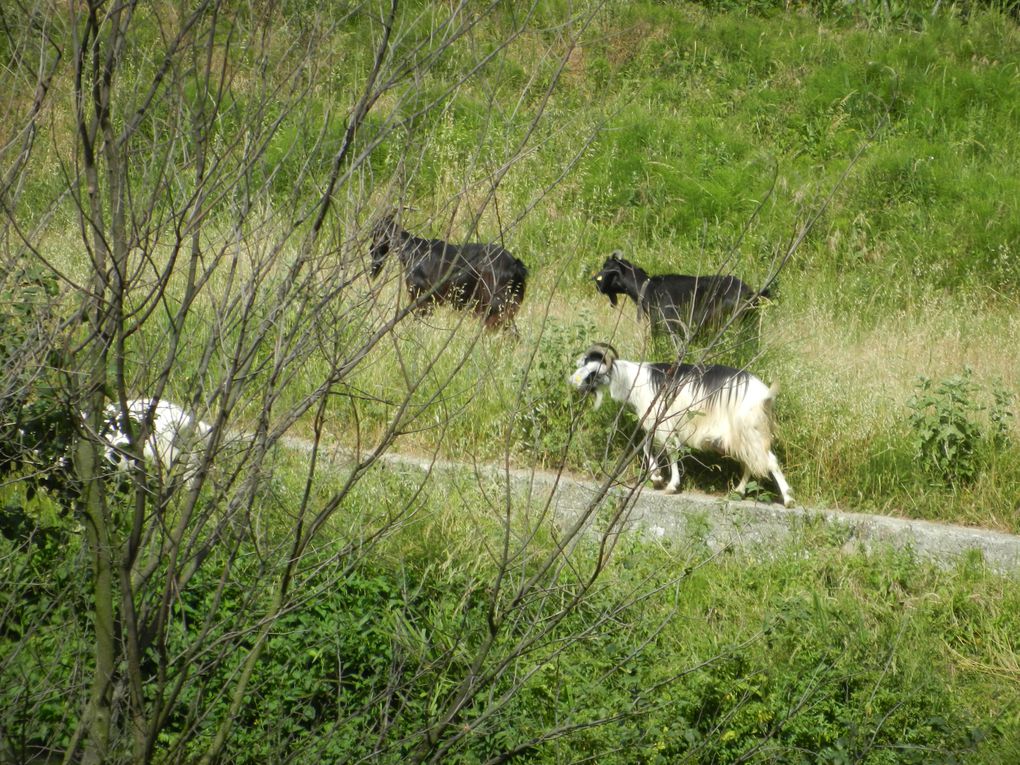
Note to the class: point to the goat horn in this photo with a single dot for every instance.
(606, 351)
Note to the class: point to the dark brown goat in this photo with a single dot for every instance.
(683, 305)
(483, 278)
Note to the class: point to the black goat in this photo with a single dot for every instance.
(484, 278)
(683, 305)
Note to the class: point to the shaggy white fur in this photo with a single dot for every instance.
(712, 408)
(176, 437)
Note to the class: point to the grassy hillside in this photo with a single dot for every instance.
(714, 137)
(862, 157)
(695, 140)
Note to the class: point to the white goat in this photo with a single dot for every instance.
(176, 437)
(711, 408)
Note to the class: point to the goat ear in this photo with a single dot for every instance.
(617, 255)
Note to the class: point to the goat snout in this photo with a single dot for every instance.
(589, 381)
(584, 380)
(604, 283)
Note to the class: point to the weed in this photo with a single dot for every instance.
(548, 411)
(948, 435)
(1001, 415)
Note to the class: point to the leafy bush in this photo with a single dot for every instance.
(35, 427)
(949, 436)
(550, 407)
(44, 620)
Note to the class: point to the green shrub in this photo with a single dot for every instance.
(549, 407)
(44, 627)
(949, 437)
(35, 426)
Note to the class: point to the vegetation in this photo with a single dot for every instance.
(685, 655)
(187, 194)
(697, 141)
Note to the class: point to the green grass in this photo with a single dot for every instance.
(695, 118)
(809, 651)
(684, 119)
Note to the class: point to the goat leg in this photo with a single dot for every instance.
(652, 463)
(674, 476)
(742, 486)
(784, 487)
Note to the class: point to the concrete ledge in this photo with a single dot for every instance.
(719, 523)
(754, 526)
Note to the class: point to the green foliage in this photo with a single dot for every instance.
(35, 426)
(547, 415)
(672, 656)
(555, 423)
(834, 673)
(324, 663)
(44, 627)
(950, 440)
(44, 610)
(1001, 415)
(914, 14)
(946, 437)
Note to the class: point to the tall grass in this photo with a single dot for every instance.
(687, 120)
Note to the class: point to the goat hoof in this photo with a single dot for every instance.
(658, 483)
(672, 489)
(790, 502)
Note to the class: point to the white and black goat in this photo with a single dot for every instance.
(709, 408)
(174, 441)
(170, 447)
(683, 305)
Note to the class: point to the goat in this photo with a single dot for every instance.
(175, 439)
(484, 278)
(41, 446)
(709, 408)
(684, 305)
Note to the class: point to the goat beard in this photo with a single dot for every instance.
(598, 398)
